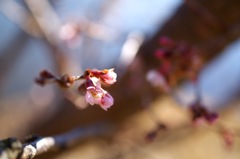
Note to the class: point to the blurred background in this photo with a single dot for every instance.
(68, 36)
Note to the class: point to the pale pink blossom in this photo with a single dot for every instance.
(109, 76)
(96, 95)
(106, 101)
(94, 91)
(92, 99)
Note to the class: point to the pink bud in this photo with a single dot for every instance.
(96, 95)
(159, 53)
(106, 101)
(110, 77)
(91, 98)
(106, 76)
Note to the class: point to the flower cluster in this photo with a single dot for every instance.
(95, 94)
(178, 61)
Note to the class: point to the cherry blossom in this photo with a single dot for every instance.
(107, 76)
(97, 95)
(106, 101)
(93, 79)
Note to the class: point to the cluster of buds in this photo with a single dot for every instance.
(94, 93)
(178, 62)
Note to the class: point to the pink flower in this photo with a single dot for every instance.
(106, 101)
(96, 95)
(107, 76)
(92, 98)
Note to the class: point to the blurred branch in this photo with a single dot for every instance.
(11, 55)
(204, 14)
(50, 24)
(187, 24)
(12, 148)
(46, 18)
(21, 17)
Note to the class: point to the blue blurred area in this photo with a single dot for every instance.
(22, 74)
(8, 32)
(219, 82)
(123, 15)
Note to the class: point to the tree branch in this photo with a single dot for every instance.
(12, 148)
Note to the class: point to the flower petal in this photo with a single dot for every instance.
(89, 98)
(106, 101)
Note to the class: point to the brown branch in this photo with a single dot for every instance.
(12, 148)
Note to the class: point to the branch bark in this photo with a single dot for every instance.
(209, 25)
(12, 148)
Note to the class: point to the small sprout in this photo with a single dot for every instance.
(67, 80)
(45, 77)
